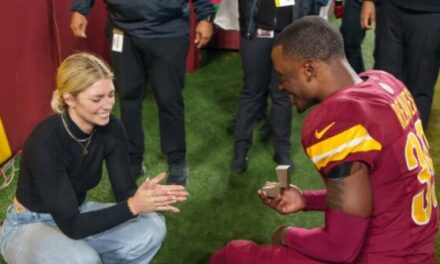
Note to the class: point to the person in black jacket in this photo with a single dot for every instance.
(50, 221)
(409, 45)
(149, 42)
(353, 34)
(260, 23)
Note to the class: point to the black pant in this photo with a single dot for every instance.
(353, 34)
(162, 61)
(259, 77)
(409, 48)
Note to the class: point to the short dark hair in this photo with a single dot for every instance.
(311, 37)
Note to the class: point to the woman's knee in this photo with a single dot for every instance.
(150, 238)
(42, 243)
(83, 253)
(155, 228)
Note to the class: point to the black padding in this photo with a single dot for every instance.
(340, 171)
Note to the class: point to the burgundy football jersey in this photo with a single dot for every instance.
(377, 122)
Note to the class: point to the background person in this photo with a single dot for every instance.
(260, 24)
(49, 221)
(408, 45)
(353, 34)
(149, 42)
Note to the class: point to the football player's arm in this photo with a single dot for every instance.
(349, 206)
(315, 200)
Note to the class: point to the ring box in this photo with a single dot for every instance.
(273, 189)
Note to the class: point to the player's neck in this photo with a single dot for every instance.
(341, 76)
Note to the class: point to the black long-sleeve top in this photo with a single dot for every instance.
(55, 175)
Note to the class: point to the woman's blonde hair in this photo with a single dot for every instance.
(76, 73)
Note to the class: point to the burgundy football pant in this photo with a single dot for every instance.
(244, 252)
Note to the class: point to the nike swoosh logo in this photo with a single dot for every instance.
(321, 133)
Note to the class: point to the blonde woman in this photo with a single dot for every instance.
(49, 220)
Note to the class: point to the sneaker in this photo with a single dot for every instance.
(178, 174)
(239, 161)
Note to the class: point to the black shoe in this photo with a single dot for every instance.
(239, 161)
(138, 170)
(178, 174)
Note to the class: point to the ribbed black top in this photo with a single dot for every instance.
(55, 175)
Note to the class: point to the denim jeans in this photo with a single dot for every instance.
(28, 237)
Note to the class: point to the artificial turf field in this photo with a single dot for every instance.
(224, 206)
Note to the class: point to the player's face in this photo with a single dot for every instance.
(295, 79)
(93, 105)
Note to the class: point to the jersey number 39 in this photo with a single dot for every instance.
(417, 156)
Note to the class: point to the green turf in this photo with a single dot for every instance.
(223, 206)
(433, 135)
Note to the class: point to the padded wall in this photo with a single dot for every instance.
(29, 55)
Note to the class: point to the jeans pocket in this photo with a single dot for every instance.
(16, 218)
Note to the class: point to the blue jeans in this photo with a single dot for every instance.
(28, 237)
